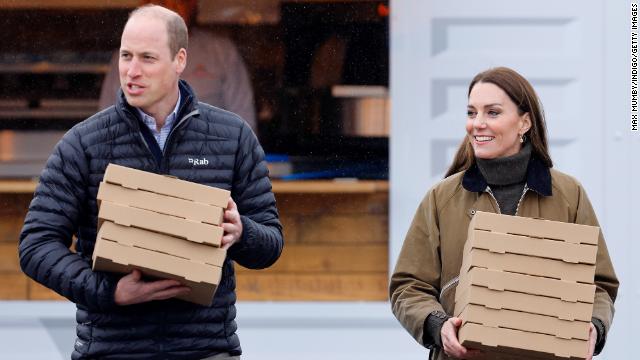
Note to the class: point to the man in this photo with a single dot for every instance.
(157, 125)
(215, 69)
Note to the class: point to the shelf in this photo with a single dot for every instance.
(279, 187)
(78, 4)
(338, 186)
(18, 186)
(47, 114)
(46, 67)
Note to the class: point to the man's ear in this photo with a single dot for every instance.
(181, 60)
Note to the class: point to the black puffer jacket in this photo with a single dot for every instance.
(65, 204)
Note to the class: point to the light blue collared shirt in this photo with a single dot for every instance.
(161, 136)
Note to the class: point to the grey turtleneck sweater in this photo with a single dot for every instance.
(506, 177)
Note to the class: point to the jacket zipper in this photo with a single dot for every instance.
(184, 118)
(170, 137)
(456, 279)
(524, 192)
(143, 140)
(488, 190)
(447, 286)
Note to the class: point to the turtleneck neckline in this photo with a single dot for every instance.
(506, 170)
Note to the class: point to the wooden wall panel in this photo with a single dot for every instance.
(9, 261)
(316, 287)
(319, 204)
(329, 259)
(289, 226)
(336, 249)
(40, 292)
(13, 208)
(10, 227)
(13, 286)
(14, 204)
(343, 229)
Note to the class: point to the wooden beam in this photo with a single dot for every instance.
(77, 4)
(313, 287)
(9, 261)
(330, 259)
(41, 292)
(13, 286)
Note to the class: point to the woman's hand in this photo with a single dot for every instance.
(450, 344)
(593, 337)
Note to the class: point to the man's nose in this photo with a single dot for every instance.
(134, 68)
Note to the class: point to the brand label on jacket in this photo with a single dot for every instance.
(198, 162)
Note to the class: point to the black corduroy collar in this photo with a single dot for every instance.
(538, 178)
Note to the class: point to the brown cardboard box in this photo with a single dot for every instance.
(517, 244)
(531, 265)
(142, 180)
(201, 278)
(166, 224)
(526, 287)
(521, 343)
(519, 320)
(502, 280)
(510, 300)
(571, 233)
(158, 242)
(163, 204)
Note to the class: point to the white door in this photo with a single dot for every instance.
(567, 51)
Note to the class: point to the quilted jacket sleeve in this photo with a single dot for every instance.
(52, 220)
(261, 242)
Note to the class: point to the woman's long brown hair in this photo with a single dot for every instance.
(524, 96)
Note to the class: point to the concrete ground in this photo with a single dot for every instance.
(36, 330)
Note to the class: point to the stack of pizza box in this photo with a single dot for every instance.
(165, 227)
(526, 287)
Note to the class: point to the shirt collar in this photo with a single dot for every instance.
(168, 122)
(538, 178)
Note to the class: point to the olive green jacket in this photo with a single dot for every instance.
(425, 276)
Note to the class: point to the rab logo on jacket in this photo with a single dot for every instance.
(198, 162)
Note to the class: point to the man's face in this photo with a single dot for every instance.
(148, 72)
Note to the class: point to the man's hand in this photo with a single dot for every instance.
(593, 337)
(232, 225)
(450, 344)
(131, 289)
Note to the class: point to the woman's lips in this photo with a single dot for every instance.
(482, 139)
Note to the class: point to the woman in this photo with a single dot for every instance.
(502, 166)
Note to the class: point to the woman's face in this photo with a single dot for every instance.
(494, 126)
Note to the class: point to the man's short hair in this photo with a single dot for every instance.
(177, 32)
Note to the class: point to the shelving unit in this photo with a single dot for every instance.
(66, 4)
(46, 67)
(279, 187)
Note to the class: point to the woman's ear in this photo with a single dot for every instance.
(526, 123)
